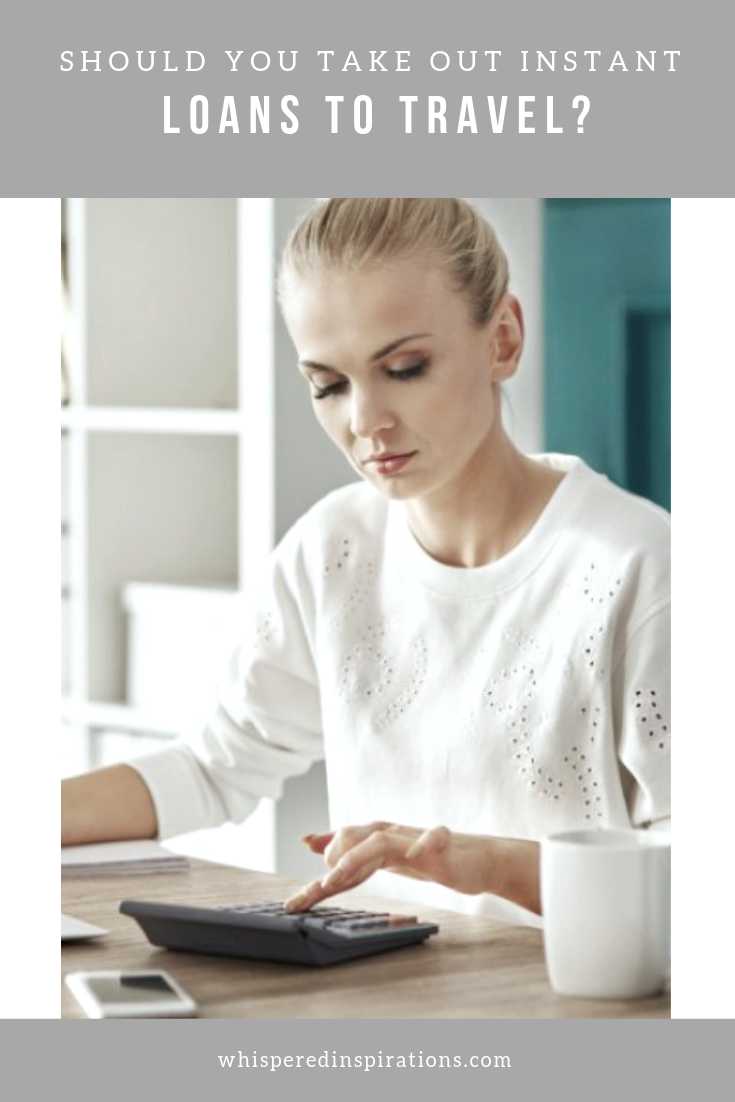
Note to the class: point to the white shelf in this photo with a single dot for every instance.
(188, 450)
(203, 422)
(116, 717)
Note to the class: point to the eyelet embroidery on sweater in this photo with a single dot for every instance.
(594, 650)
(510, 705)
(509, 696)
(653, 720)
(339, 555)
(597, 590)
(589, 652)
(353, 581)
(266, 630)
(410, 691)
(584, 774)
(521, 640)
(369, 673)
(599, 594)
(359, 675)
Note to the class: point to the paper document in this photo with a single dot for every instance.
(120, 859)
(76, 929)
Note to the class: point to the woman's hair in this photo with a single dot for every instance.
(355, 233)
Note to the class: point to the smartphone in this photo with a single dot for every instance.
(152, 994)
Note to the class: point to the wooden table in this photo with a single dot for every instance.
(472, 969)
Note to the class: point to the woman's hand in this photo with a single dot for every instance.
(470, 863)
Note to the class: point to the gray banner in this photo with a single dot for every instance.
(169, 1059)
(171, 97)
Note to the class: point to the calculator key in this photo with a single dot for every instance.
(376, 922)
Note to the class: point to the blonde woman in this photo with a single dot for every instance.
(476, 640)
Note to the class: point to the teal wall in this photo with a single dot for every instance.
(607, 333)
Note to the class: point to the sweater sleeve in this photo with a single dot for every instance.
(266, 726)
(642, 692)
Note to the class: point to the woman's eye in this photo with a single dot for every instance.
(327, 391)
(410, 372)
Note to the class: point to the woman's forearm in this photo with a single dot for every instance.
(111, 804)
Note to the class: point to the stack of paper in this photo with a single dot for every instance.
(120, 859)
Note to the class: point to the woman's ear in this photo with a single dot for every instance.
(507, 337)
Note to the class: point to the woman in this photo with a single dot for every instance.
(480, 648)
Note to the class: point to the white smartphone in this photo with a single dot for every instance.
(151, 994)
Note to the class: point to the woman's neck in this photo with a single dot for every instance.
(498, 503)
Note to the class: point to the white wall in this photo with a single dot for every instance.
(519, 225)
(308, 465)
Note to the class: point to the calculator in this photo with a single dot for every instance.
(267, 931)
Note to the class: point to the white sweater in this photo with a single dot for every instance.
(520, 698)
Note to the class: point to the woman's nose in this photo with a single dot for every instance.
(368, 414)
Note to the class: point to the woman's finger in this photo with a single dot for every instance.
(365, 850)
(306, 898)
(347, 839)
(384, 847)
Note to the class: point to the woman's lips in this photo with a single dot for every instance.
(390, 463)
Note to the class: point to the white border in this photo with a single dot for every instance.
(703, 404)
(703, 364)
(29, 624)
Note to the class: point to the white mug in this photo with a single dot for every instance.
(606, 902)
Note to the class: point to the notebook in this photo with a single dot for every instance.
(120, 859)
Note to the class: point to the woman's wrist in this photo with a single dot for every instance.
(514, 872)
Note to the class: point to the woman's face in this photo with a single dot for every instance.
(401, 378)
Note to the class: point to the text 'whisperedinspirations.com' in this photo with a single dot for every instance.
(360, 1061)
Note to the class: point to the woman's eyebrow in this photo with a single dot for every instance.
(386, 351)
(396, 344)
